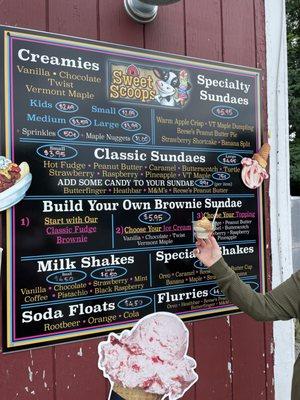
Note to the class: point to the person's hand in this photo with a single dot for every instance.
(208, 251)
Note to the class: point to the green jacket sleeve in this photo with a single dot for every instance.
(282, 303)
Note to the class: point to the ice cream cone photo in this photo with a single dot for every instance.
(150, 361)
(254, 169)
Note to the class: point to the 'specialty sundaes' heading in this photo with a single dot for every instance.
(223, 84)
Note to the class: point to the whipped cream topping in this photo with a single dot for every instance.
(4, 162)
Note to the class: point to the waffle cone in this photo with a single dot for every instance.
(135, 394)
(265, 151)
(261, 161)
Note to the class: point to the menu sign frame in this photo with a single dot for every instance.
(126, 148)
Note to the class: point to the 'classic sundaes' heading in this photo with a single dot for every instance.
(155, 155)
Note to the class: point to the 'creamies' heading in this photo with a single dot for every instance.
(27, 56)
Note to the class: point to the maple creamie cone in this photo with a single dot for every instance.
(135, 393)
(263, 155)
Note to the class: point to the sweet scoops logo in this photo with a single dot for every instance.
(154, 86)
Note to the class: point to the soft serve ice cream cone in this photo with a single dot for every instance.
(254, 169)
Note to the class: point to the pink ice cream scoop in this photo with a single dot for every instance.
(254, 169)
(152, 356)
(253, 174)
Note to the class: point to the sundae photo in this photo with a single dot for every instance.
(254, 169)
(150, 361)
(14, 182)
(203, 228)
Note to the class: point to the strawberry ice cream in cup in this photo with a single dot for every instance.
(149, 362)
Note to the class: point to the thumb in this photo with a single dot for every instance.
(197, 254)
(214, 243)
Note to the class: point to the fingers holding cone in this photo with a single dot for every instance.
(202, 244)
(209, 243)
(214, 243)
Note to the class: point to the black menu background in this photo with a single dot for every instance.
(98, 243)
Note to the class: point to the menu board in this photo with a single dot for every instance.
(126, 147)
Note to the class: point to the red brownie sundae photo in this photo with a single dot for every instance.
(14, 182)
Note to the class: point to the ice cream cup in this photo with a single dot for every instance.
(119, 392)
(202, 233)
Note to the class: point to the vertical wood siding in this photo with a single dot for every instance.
(234, 354)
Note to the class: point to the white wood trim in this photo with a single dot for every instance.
(281, 234)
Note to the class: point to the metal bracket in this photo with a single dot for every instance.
(140, 11)
(144, 11)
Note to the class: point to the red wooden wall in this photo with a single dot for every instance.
(234, 354)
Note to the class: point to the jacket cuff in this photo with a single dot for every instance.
(220, 269)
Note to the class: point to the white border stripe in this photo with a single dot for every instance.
(279, 185)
